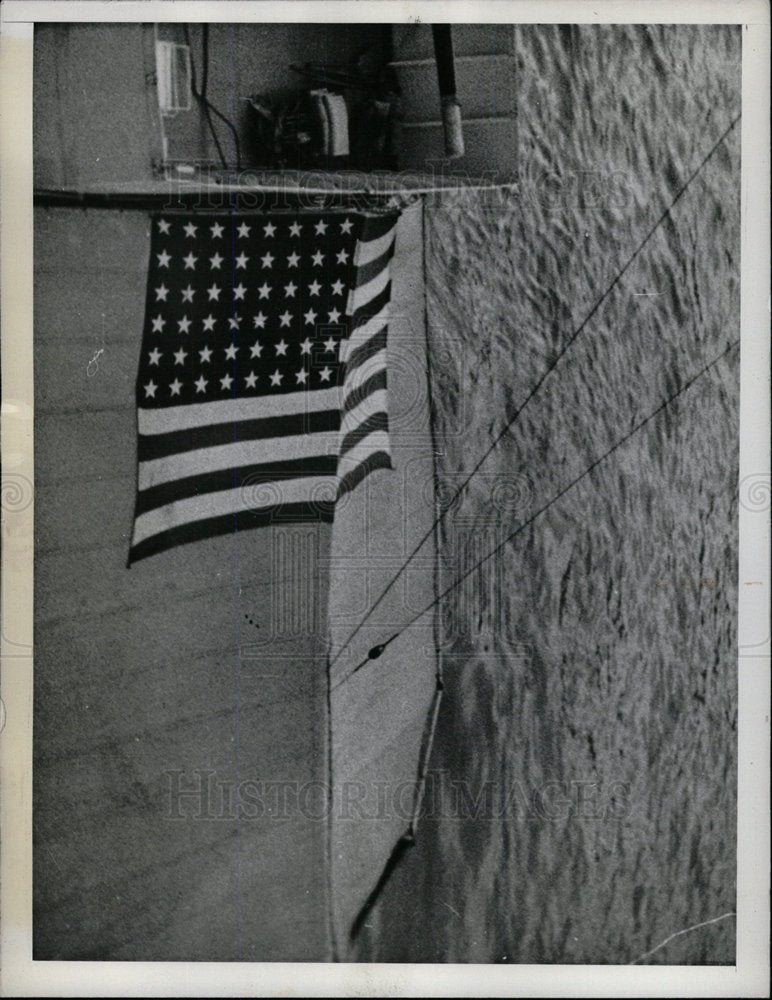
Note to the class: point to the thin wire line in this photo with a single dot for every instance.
(686, 930)
(377, 650)
(207, 105)
(599, 302)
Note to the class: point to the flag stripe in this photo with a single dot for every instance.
(274, 496)
(377, 460)
(373, 268)
(363, 333)
(369, 349)
(176, 418)
(375, 441)
(246, 478)
(365, 294)
(369, 250)
(376, 402)
(235, 455)
(376, 381)
(375, 422)
(227, 524)
(372, 308)
(157, 445)
(376, 225)
(359, 375)
(364, 444)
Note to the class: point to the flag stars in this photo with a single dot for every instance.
(317, 295)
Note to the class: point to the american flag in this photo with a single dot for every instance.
(261, 390)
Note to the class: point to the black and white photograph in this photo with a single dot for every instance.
(387, 488)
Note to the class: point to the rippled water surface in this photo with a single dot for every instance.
(583, 787)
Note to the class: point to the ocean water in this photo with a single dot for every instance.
(581, 804)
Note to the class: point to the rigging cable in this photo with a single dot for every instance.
(209, 108)
(376, 651)
(511, 420)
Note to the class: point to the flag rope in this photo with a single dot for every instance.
(378, 649)
(408, 838)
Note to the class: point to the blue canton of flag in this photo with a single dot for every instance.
(261, 391)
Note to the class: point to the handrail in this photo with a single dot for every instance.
(248, 190)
